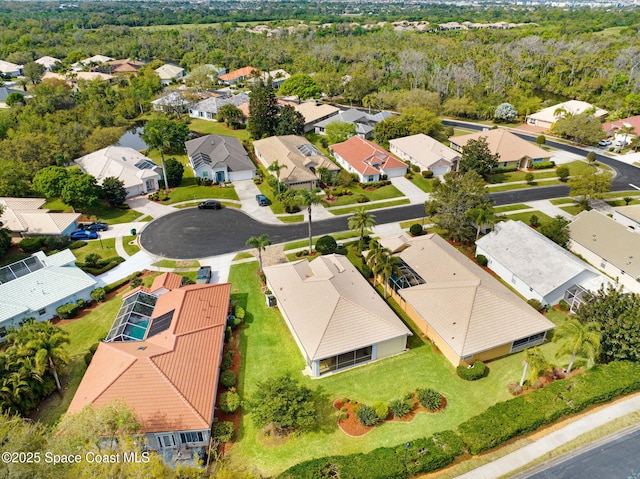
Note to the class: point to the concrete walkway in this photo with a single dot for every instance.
(139, 261)
(552, 441)
(151, 208)
(411, 191)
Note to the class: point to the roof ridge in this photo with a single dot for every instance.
(324, 332)
(468, 319)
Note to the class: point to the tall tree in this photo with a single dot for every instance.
(300, 85)
(276, 167)
(45, 343)
(576, 337)
(361, 220)
(260, 243)
(81, 191)
(165, 135)
(49, 181)
(482, 217)
(289, 122)
(263, 110)
(175, 170)
(590, 185)
(33, 71)
(582, 128)
(307, 199)
(113, 190)
(231, 115)
(476, 156)
(387, 267)
(339, 131)
(557, 230)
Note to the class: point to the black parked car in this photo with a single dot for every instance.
(94, 226)
(210, 205)
(262, 200)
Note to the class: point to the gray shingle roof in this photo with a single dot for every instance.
(218, 150)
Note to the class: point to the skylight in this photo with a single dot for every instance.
(19, 268)
(308, 150)
(133, 318)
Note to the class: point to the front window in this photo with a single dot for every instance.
(191, 436)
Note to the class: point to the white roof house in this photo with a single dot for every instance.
(174, 102)
(11, 69)
(94, 60)
(25, 216)
(546, 117)
(608, 245)
(426, 152)
(208, 109)
(337, 319)
(628, 216)
(169, 73)
(47, 62)
(536, 266)
(36, 286)
(139, 173)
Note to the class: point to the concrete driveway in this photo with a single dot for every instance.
(247, 191)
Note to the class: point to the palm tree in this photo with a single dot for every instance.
(307, 199)
(373, 258)
(276, 167)
(482, 217)
(575, 337)
(361, 220)
(626, 130)
(260, 243)
(534, 364)
(47, 347)
(387, 266)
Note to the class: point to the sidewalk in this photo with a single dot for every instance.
(552, 441)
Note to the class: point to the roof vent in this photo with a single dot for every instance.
(124, 158)
(213, 142)
(142, 348)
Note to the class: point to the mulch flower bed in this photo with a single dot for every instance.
(233, 417)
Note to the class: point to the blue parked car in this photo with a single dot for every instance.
(83, 235)
(262, 200)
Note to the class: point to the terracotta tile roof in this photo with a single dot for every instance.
(633, 121)
(361, 154)
(166, 280)
(240, 73)
(169, 379)
(509, 146)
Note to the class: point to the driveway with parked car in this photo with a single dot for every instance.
(79, 235)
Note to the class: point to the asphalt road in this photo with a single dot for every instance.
(616, 458)
(193, 233)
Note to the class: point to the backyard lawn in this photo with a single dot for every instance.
(105, 248)
(205, 127)
(268, 349)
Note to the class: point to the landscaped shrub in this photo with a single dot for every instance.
(477, 371)
(429, 398)
(400, 407)
(564, 306)
(409, 176)
(326, 245)
(135, 282)
(103, 266)
(504, 169)
(228, 378)
(514, 388)
(223, 431)
(227, 360)
(92, 260)
(366, 415)
(361, 198)
(81, 303)
(67, 311)
(562, 172)
(535, 304)
(415, 229)
(31, 245)
(366, 271)
(121, 282)
(534, 221)
(227, 334)
(233, 322)
(381, 409)
(543, 165)
(415, 168)
(57, 243)
(229, 401)
(427, 174)
(77, 244)
(482, 260)
(239, 312)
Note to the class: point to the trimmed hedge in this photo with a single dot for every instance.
(68, 311)
(524, 414)
(503, 169)
(543, 166)
(473, 373)
(31, 245)
(103, 266)
(121, 282)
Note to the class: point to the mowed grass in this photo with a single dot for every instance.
(205, 127)
(268, 349)
(105, 248)
(525, 217)
(369, 206)
(506, 208)
(102, 212)
(383, 193)
(131, 249)
(425, 184)
(336, 236)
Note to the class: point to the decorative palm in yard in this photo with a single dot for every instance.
(534, 364)
(388, 266)
(307, 199)
(276, 167)
(373, 258)
(361, 220)
(260, 243)
(575, 337)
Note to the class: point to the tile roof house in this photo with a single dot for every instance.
(513, 150)
(628, 216)
(468, 314)
(162, 358)
(300, 157)
(169, 73)
(537, 267)
(25, 216)
(336, 318)
(139, 173)
(35, 286)
(238, 76)
(208, 109)
(426, 152)
(546, 117)
(608, 245)
(367, 160)
(91, 61)
(11, 69)
(314, 113)
(219, 158)
(363, 121)
(126, 65)
(48, 62)
(174, 102)
(612, 129)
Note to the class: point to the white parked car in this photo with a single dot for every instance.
(604, 143)
(620, 143)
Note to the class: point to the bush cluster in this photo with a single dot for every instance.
(68, 311)
(366, 415)
(482, 260)
(402, 407)
(227, 360)
(376, 184)
(326, 245)
(102, 265)
(121, 282)
(362, 198)
(475, 372)
(340, 191)
(229, 401)
(564, 306)
(98, 295)
(429, 398)
(503, 169)
(416, 229)
(228, 378)
(223, 431)
(427, 174)
(543, 165)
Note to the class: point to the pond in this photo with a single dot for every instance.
(132, 139)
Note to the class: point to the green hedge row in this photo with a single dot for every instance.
(121, 282)
(104, 266)
(544, 165)
(423, 455)
(524, 414)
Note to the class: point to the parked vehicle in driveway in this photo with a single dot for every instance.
(604, 143)
(210, 205)
(204, 275)
(83, 235)
(262, 200)
(620, 143)
(97, 226)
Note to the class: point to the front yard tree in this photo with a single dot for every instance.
(534, 365)
(339, 131)
(49, 181)
(590, 185)
(175, 170)
(81, 190)
(300, 85)
(231, 115)
(289, 122)
(284, 404)
(263, 110)
(453, 200)
(557, 230)
(576, 337)
(307, 199)
(276, 167)
(113, 190)
(476, 156)
(260, 243)
(33, 71)
(360, 221)
(583, 128)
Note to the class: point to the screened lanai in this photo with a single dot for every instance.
(133, 318)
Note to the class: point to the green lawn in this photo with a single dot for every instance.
(425, 184)
(266, 190)
(215, 128)
(562, 201)
(292, 218)
(131, 249)
(520, 176)
(268, 349)
(105, 248)
(191, 204)
(407, 224)
(103, 212)
(622, 202)
(383, 193)
(169, 263)
(195, 192)
(520, 186)
(505, 208)
(146, 218)
(243, 255)
(525, 217)
(572, 209)
(621, 194)
(368, 206)
(336, 236)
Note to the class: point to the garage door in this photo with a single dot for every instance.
(440, 170)
(240, 175)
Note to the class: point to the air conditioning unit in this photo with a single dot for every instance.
(271, 300)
